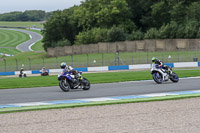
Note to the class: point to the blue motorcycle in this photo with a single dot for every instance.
(72, 80)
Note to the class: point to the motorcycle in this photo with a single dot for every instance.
(159, 74)
(72, 80)
(44, 73)
(22, 74)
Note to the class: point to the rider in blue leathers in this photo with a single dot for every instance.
(70, 70)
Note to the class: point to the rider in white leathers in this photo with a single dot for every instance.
(159, 64)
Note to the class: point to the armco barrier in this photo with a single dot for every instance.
(110, 68)
(140, 66)
(170, 64)
(126, 67)
(7, 73)
(186, 64)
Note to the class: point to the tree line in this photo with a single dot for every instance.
(28, 15)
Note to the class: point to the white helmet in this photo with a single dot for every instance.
(63, 65)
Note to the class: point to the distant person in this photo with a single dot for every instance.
(21, 70)
(43, 69)
(44, 72)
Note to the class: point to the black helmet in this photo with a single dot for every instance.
(154, 59)
(63, 65)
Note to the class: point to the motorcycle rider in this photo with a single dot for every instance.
(43, 68)
(71, 71)
(159, 64)
(64, 65)
(21, 71)
(44, 71)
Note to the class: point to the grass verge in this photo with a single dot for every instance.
(10, 38)
(61, 106)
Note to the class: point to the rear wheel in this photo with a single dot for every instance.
(64, 85)
(86, 84)
(174, 77)
(157, 77)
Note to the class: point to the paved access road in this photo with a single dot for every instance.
(23, 95)
(26, 46)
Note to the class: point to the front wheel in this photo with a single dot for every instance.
(86, 84)
(174, 77)
(157, 77)
(64, 85)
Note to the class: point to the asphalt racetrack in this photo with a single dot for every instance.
(24, 95)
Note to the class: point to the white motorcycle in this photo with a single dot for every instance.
(159, 74)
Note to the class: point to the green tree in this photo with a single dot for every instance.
(141, 13)
(136, 35)
(160, 14)
(194, 11)
(103, 14)
(168, 31)
(28, 15)
(191, 29)
(59, 27)
(12, 16)
(116, 34)
(152, 33)
(178, 12)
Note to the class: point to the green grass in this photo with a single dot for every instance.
(38, 46)
(94, 78)
(21, 24)
(9, 51)
(10, 38)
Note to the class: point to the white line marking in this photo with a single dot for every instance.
(29, 47)
(32, 104)
(158, 94)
